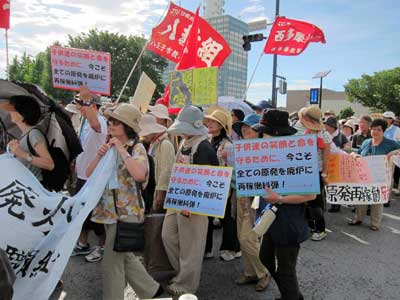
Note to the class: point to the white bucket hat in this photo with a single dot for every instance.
(149, 125)
(159, 111)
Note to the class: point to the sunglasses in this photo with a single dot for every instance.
(114, 122)
(82, 103)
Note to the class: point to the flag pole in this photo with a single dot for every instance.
(252, 75)
(139, 57)
(7, 60)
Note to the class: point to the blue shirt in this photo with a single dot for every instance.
(385, 147)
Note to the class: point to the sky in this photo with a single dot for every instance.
(362, 36)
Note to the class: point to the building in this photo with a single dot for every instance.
(331, 100)
(232, 76)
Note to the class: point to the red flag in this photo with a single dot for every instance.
(5, 14)
(204, 47)
(169, 38)
(291, 37)
(165, 101)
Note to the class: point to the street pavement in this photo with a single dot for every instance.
(353, 262)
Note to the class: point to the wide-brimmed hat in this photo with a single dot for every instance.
(349, 123)
(275, 123)
(314, 113)
(220, 115)
(159, 111)
(72, 108)
(189, 121)
(149, 125)
(389, 115)
(249, 120)
(127, 114)
(331, 122)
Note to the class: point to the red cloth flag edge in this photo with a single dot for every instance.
(291, 37)
(5, 14)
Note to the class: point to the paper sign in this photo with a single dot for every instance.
(195, 86)
(72, 68)
(200, 189)
(358, 180)
(143, 93)
(288, 165)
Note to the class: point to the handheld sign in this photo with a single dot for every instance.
(143, 93)
(288, 165)
(200, 189)
(72, 68)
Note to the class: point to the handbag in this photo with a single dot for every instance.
(129, 236)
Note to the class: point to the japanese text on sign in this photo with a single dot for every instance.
(72, 68)
(199, 189)
(288, 165)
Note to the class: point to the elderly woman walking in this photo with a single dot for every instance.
(122, 203)
(184, 234)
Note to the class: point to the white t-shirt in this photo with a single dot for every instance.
(91, 142)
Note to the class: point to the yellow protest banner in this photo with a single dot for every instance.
(143, 93)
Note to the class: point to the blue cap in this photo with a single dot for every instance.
(249, 120)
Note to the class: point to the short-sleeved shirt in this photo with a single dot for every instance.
(35, 137)
(326, 138)
(385, 147)
(127, 195)
(91, 142)
(359, 138)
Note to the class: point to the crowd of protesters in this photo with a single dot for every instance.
(203, 138)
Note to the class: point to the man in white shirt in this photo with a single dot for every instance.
(93, 134)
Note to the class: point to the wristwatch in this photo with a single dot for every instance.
(29, 158)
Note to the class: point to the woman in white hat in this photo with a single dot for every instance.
(184, 234)
(132, 167)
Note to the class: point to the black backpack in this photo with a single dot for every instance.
(147, 193)
(55, 179)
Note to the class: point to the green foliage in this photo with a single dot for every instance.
(345, 113)
(380, 91)
(124, 51)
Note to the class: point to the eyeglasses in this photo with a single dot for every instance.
(82, 103)
(114, 122)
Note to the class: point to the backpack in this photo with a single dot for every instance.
(55, 179)
(147, 193)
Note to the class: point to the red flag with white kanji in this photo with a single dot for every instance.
(204, 47)
(291, 37)
(5, 14)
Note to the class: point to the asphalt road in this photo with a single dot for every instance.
(353, 262)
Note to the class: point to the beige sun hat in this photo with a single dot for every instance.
(149, 125)
(159, 111)
(314, 113)
(72, 108)
(220, 115)
(127, 114)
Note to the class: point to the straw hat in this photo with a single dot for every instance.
(220, 115)
(127, 114)
(314, 113)
(159, 111)
(189, 121)
(149, 125)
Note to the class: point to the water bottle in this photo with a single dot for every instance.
(264, 221)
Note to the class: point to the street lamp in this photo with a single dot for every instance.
(321, 75)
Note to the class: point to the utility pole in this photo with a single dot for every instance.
(274, 68)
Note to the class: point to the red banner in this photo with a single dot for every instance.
(204, 47)
(291, 37)
(5, 14)
(169, 38)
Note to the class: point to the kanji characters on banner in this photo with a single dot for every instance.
(5, 14)
(291, 37)
(169, 40)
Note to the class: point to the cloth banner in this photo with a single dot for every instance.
(291, 37)
(5, 14)
(40, 228)
(358, 180)
(288, 165)
(72, 68)
(200, 189)
(168, 40)
(195, 86)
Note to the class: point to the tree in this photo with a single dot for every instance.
(345, 113)
(124, 51)
(380, 91)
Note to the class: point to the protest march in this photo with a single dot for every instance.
(142, 184)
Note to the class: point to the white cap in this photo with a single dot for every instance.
(389, 115)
